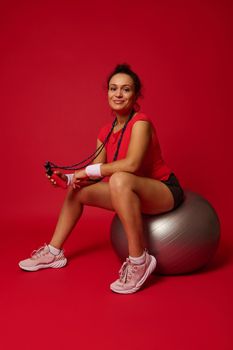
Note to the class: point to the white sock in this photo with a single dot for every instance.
(54, 250)
(139, 260)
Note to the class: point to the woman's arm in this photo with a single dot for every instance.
(80, 178)
(139, 142)
(101, 158)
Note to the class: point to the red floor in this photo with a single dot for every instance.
(73, 308)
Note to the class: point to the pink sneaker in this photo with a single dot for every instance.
(42, 258)
(133, 276)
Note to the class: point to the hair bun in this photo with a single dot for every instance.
(123, 67)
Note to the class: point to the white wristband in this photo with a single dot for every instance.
(93, 171)
(69, 178)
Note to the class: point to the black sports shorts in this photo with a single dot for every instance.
(173, 184)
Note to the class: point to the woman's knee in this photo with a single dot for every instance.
(84, 195)
(120, 181)
(76, 195)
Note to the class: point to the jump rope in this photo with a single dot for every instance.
(50, 166)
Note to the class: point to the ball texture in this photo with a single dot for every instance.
(182, 240)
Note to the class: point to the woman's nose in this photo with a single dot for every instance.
(118, 93)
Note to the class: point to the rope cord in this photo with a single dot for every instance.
(122, 133)
(94, 155)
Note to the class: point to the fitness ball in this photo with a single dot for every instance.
(182, 240)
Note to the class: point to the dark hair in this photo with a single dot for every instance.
(125, 68)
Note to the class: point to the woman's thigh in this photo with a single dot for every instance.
(154, 195)
(96, 195)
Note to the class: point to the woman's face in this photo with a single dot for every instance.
(121, 94)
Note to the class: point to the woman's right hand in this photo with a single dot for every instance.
(62, 176)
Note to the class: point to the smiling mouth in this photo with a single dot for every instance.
(118, 102)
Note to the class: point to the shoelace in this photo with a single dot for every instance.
(127, 271)
(39, 252)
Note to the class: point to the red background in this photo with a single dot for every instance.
(55, 57)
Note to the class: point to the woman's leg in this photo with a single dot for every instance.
(127, 194)
(94, 195)
(46, 256)
(132, 195)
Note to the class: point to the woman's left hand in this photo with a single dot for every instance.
(78, 179)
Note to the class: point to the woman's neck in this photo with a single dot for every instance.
(122, 117)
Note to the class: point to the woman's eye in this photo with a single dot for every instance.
(127, 90)
(112, 88)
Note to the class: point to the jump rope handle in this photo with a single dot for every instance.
(55, 177)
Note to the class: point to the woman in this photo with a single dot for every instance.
(137, 181)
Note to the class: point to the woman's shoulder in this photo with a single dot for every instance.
(140, 116)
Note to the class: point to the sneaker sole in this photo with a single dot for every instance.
(150, 269)
(55, 265)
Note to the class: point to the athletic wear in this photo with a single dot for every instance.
(153, 165)
(133, 276)
(139, 259)
(42, 258)
(174, 186)
(53, 250)
(93, 171)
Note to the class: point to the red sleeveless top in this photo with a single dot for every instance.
(153, 165)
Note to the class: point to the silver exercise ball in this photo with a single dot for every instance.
(182, 240)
